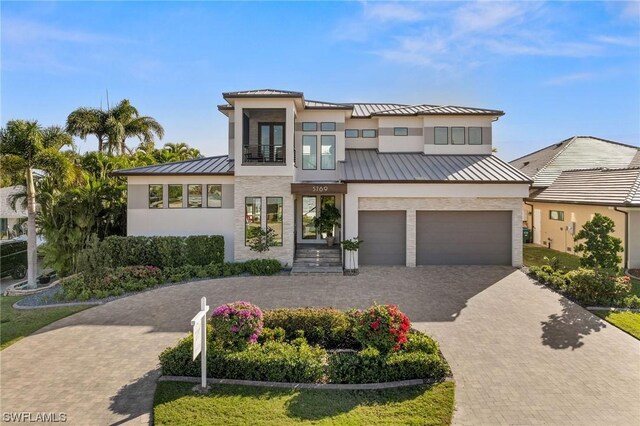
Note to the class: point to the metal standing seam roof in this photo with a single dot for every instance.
(578, 152)
(611, 187)
(325, 105)
(369, 165)
(219, 165)
(365, 110)
(263, 92)
(438, 110)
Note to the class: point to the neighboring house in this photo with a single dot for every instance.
(417, 183)
(575, 179)
(9, 216)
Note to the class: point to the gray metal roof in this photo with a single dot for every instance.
(369, 165)
(578, 152)
(426, 109)
(262, 93)
(219, 165)
(611, 187)
(325, 105)
(364, 110)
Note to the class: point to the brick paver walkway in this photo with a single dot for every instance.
(520, 353)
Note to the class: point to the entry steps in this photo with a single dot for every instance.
(317, 259)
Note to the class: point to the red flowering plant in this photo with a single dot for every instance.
(383, 327)
(237, 324)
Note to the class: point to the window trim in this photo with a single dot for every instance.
(464, 135)
(334, 152)
(245, 217)
(435, 129)
(169, 193)
(560, 215)
(352, 130)
(207, 189)
(396, 129)
(375, 133)
(161, 206)
(189, 185)
(469, 132)
(315, 149)
(335, 126)
(315, 126)
(281, 219)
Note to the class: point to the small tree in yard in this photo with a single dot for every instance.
(260, 240)
(600, 249)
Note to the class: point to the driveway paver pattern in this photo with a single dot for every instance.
(520, 353)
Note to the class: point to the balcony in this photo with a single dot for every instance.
(256, 155)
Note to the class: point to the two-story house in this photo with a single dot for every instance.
(417, 183)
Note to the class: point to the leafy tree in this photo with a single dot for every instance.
(600, 248)
(25, 147)
(261, 240)
(113, 127)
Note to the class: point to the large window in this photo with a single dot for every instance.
(156, 199)
(400, 131)
(475, 135)
(457, 136)
(214, 196)
(351, 133)
(556, 215)
(271, 136)
(309, 126)
(194, 195)
(274, 218)
(309, 210)
(441, 136)
(327, 200)
(328, 127)
(175, 196)
(369, 133)
(309, 152)
(252, 218)
(328, 152)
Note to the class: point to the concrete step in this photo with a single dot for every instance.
(318, 256)
(315, 264)
(312, 270)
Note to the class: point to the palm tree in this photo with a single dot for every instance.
(24, 147)
(114, 126)
(181, 151)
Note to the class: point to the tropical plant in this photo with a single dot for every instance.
(113, 127)
(327, 221)
(600, 248)
(25, 147)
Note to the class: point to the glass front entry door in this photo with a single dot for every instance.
(311, 206)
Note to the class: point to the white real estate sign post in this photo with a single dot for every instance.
(199, 323)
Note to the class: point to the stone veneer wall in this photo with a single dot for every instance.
(411, 205)
(264, 186)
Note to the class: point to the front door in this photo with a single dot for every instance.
(310, 207)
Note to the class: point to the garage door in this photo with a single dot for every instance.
(384, 235)
(463, 238)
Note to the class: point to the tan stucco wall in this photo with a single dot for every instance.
(634, 239)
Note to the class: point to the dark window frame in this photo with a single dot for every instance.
(560, 215)
(315, 198)
(334, 152)
(375, 133)
(464, 135)
(169, 195)
(333, 123)
(315, 140)
(315, 126)
(189, 206)
(404, 131)
(281, 218)
(351, 130)
(469, 135)
(246, 224)
(435, 134)
(161, 206)
(214, 184)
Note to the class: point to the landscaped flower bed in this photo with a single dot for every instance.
(310, 345)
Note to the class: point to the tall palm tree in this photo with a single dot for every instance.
(24, 147)
(113, 127)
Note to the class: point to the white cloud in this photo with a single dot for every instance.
(20, 31)
(393, 12)
(570, 78)
(631, 41)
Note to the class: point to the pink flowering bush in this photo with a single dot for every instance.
(237, 324)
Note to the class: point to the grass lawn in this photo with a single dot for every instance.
(534, 255)
(175, 403)
(626, 321)
(16, 323)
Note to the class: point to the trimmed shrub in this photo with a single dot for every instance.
(262, 266)
(632, 302)
(420, 342)
(272, 334)
(327, 327)
(237, 324)
(383, 327)
(592, 288)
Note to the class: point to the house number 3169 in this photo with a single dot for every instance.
(320, 188)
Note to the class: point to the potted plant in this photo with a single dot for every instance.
(351, 246)
(328, 219)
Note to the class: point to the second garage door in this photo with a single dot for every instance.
(384, 235)
(463, 238)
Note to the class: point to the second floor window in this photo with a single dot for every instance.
(457, 136)
(309, 155)
(271, 137)
(441, 136)
(328, 126)
(475, 135)
(351, 133)
(369, 133)
(328, 152)
(400, 131)
(309, 126)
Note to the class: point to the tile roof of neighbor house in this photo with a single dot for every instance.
(219, 165)
(578, 152)
(610, 187)
(369, 165)
(6, 212)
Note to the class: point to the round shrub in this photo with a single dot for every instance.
(237, 324)
(382, 327)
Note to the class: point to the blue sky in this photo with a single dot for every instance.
(557, 69)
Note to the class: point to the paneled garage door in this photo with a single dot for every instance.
(384, 235)
(463, 238)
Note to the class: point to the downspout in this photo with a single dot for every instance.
(530, 205)
(626, 237)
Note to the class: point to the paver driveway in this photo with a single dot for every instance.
(520, 353)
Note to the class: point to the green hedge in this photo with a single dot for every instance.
(327, 327)
(163, 252)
